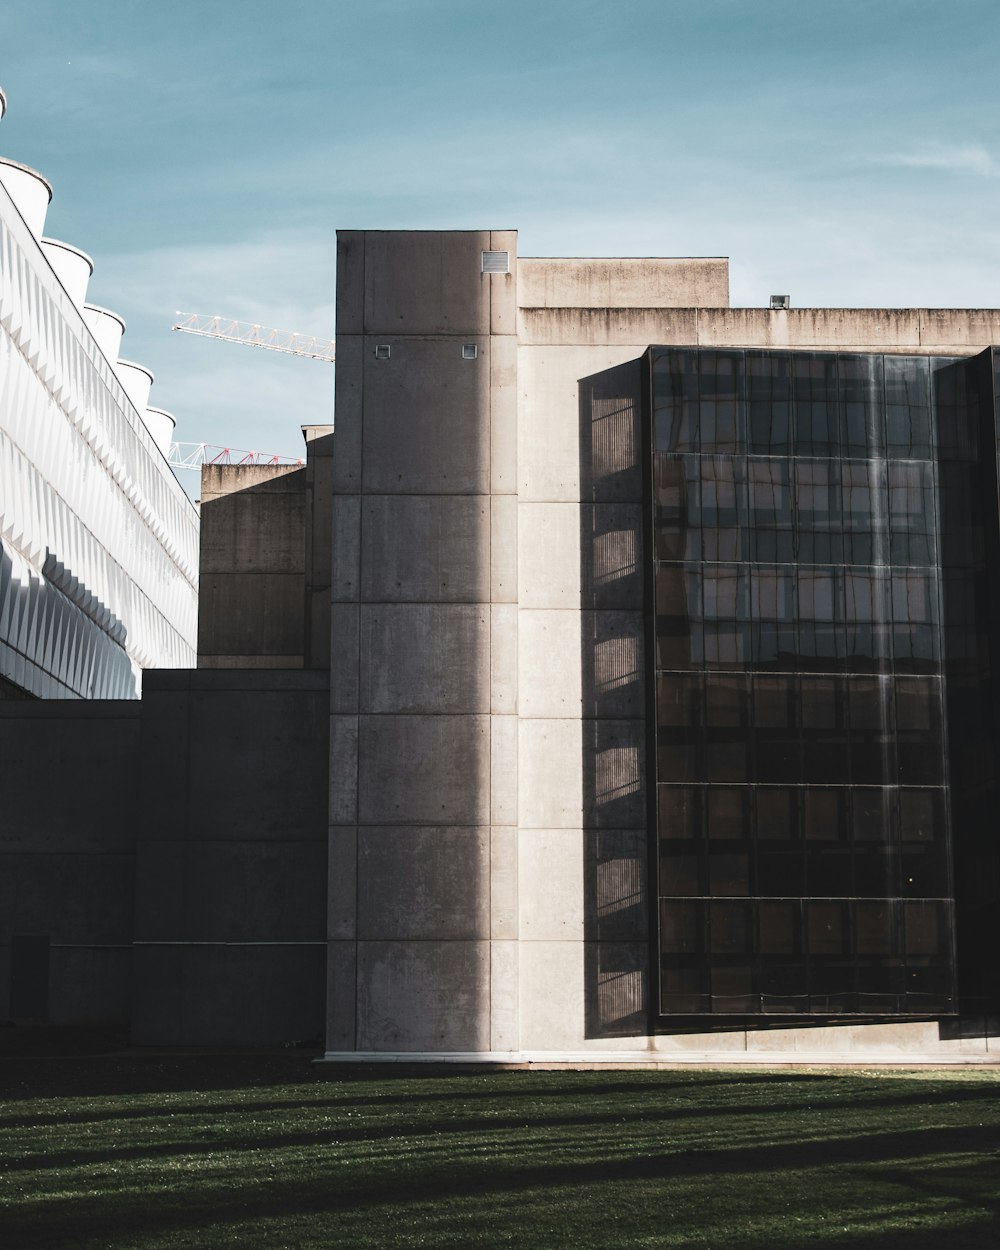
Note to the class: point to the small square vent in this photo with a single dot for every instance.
(496, 262)
(469, 351)
(780, 301)
(382, 351)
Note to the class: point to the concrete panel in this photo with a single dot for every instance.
(503, 286)
(504, 1030)
(614, 773)
(342, 882)
(623, 282)
(346, 572)
(611, 459)
(504, 731)
(503, 549)
(550, 885)
(503, 658)
(90, 985)
(259, 528)
(548, 539)
(421, 996)
(615, 886)
(93, 751)
(343, 769)
(427, 418)
(426, 770)
(729, 1045)
(229, 995)
(275, 743)
(862, 329)
(250, 891)
(426, 548)
(341, 995)
(350, 285)
(251, 614)
(428, 283)
(420, 884)
(348, 389)
(549, 663)
(345, 643)
(418, 657)
(611, 550)
(503, 413)
(552, 1001)
(550, 774)
(616, 988)
(503, 882)
(632, 329)
(946, 329)
(613, 654)
(84, 898)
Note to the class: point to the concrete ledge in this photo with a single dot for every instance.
(557, 1060)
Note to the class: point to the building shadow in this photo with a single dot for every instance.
(612, 667)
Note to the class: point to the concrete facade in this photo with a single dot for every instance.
(402, 802)
(436, 696)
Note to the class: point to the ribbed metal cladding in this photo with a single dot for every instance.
(496, 262)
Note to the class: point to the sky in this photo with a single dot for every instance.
(844, 152)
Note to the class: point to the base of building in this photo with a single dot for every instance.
(581, 1061)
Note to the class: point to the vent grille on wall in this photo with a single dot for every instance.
(496, 262)
(382, 351)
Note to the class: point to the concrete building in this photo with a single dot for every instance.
(98, 541)
(478, 763)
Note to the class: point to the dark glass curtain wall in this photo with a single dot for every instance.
(797, 593)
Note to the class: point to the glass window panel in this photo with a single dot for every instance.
(728, 873)
(723, 508)
(861, 394)
(816, 404)
(924, 928)
(769, 394)
(779, 928)
(727, 812)
(776, 813)
(732, 986)
(679, 700)
(730, 928)
(680, 874)
(827, 928)
(682, 926)
(921, 815)
(721, 409)
(907, 407)
(872, 815)
(679, 811)
(770, 494)
(829, 871)
(774, 700)
(780, 873)
(823, 703)
(823, 814)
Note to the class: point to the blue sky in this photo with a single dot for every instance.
(846, 152)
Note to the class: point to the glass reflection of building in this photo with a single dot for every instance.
(824, 537)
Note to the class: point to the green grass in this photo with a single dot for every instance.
(144, 1153)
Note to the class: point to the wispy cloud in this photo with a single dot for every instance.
(968, 159)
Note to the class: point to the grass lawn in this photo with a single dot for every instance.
(145, 1152)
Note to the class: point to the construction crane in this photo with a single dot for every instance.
(194, 455)
(291, 342)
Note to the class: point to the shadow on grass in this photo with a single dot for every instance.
(122, 1218)
(452, 1121)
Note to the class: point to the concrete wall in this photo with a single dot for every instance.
(252, 575)
(423, 699)
(913, 331)
(230, 896)
(623, 282)
(70, 794)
